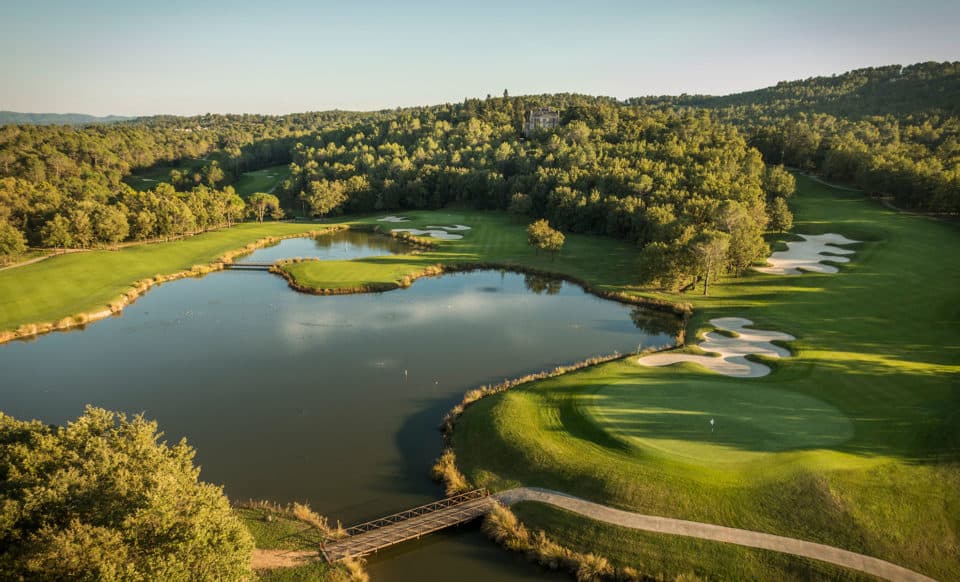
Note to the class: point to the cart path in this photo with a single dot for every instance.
(718, 533)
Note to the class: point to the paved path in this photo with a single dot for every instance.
(706, 531)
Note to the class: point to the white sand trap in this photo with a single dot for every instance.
(731, 349)
(393, 219)
(454, 228)
(806, 255)
(440, 234)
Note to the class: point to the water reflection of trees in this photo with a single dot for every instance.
(373, 241)
(540, 284)
(655, 322)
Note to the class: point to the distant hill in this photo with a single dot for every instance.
(14, 117)
(922, 88)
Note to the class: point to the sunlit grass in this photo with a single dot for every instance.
(82, 282)
(853, 441)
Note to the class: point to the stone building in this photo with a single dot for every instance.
(541, 118)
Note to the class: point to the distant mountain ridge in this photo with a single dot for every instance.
(17, 118)
(916, 89)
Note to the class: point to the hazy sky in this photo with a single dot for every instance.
(187, 57)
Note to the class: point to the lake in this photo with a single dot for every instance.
(335, 400)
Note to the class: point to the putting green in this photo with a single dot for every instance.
(752, 421)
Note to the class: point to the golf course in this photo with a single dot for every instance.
(851, 441)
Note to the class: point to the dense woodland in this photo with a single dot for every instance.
(889, 130)
(683, 177)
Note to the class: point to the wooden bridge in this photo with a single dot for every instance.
(370, 536)
(248, 266)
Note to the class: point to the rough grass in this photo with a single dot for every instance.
(75, 283)
(278, 528)
(670, 558)
(851, 442)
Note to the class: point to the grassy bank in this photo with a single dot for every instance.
(293, 529)
(77, 283)
(851, 442)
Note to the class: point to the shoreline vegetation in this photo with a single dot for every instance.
(287, 540)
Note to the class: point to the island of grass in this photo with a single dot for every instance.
(852, 442)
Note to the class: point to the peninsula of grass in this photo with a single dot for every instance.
(494, 239)
(76, 283)
(854, 441)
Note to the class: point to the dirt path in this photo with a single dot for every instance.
(54, 253)
(706, 531)
(270, 559)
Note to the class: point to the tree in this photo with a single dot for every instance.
(520, 204)
(110, 224)
(778, 182)
(710, 250)
(260, 203)
(542, 237)
(12, 243)
(781, 219)
(56, 233)
(324, 196)
(233, 206)
(103, 498)
(81, 227)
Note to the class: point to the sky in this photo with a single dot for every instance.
(129, 57)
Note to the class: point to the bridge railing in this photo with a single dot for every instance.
(445, 503)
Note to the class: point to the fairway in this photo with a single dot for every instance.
(672, 416)
(142, 179)
(265, 180)
(76, 283)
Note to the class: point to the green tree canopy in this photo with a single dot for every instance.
(542, 237)
(781, 219)
(103, 498)
(12, 243)
(260, 203)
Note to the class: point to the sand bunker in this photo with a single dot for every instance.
(393, 219)
(731, 349)
(807, 255)
(440, 234)
(453, 228)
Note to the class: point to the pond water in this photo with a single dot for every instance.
(341, 245)
(333, 400)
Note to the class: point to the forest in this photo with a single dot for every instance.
(696, 181)
(893, 131)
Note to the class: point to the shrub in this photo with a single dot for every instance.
(502, 525)
(445, 471)
(103, 498)
(593, 568)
